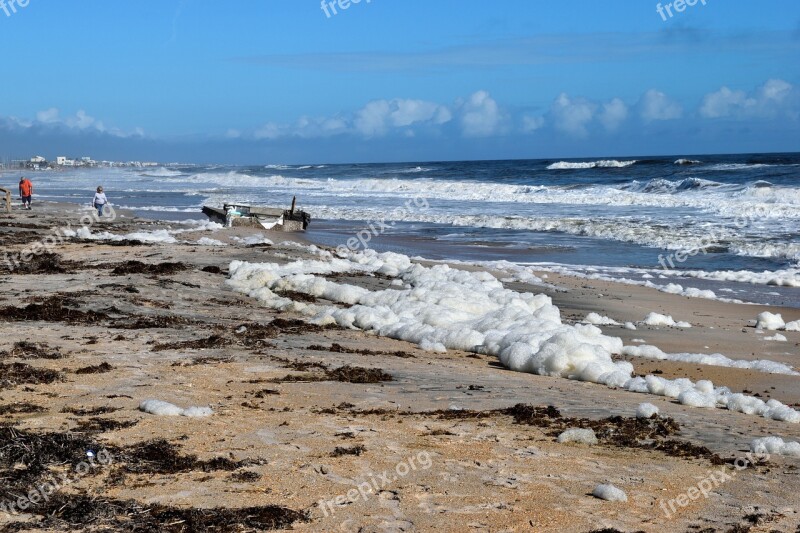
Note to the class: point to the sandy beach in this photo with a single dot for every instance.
(324, 428)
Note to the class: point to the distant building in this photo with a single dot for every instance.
(61, 161)
(38, 159)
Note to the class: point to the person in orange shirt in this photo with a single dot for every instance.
(25, 192)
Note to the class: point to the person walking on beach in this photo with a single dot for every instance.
(25, 192)
(99, 201)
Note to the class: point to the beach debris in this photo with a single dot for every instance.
(776, 446)
(609, 493)
(162, 408)
(236, 215)
(579, 436)
(646, 410)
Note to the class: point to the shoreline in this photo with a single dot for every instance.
(448, 405)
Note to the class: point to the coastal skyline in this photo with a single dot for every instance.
(296, 82)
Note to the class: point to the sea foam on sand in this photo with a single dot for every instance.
(609, 493)
(775, 445)
(162, 408)
(442, 307)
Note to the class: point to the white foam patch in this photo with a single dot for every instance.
(206, 241)
(609, 493)
(771, 321)
(775, 446)
(646, 410)
(252, 240)
(656, 319)
(792, 326)
(162, 408)
(777, 338)
(716, 359)
(469, 311)
(573, 165)
(598, 320)
(580, 436)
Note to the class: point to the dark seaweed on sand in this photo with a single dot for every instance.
(162, 457)
(20, 408)
(53, 309)
(102, 368)
(137, 267)
(32, 350)
(64, 512)
(338, 348)
(214, 341)
(15, 374)
(356, 450)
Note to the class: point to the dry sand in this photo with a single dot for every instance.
(440, 446)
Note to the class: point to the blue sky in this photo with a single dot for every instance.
(265, 81)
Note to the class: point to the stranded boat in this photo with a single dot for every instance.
(234, 215)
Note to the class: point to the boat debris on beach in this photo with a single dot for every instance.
(236, 215)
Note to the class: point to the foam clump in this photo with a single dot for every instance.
(777, 337)
(646, 410)
(162, 408)
(610, 493)
(792, 326)
(715, 359)
(770, 321)
(776, 446)
(207, 241)
(598, 320)
(656, 319)
(443, 308)
(579, 436)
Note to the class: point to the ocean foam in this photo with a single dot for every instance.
(597, 320)
(656, 319)
(580, 436)
(162, 408)
(571, 165)
(609, 493)
(448, 308)
(716, 359)
(770, 321)
(646, 410)
(775, 446)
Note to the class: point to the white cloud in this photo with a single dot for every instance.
(80, 121)
(613, 114)
(48, 116)
(766, 101)
(572, 115)
(481, 116)
(655, 105)
(379, 116)
(530, 123)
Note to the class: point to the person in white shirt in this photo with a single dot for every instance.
(99, 201)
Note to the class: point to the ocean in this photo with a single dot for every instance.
(729, 224)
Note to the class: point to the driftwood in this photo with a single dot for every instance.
(8, 199)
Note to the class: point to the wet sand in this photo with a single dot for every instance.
(434, 440)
